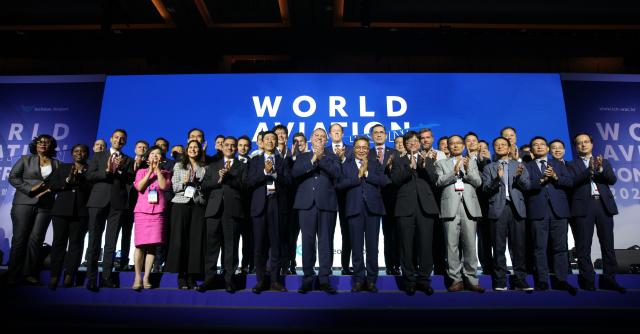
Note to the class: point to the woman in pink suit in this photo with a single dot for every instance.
(151, 183)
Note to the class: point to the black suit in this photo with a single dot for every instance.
(415, 211)
(268, 210)
(107, 202)
(389, 226)
(484, 228)
(246, 230)
(590, 211)
(223, 215)
(70, 217)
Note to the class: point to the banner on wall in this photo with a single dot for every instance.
(608, 108)
(66, 107)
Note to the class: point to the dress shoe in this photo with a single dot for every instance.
(395, 271)
(108, 283)
(456, 287)
(425, 287)
(206, 285)
(30, 280)
(92, 286)
(357, 287)
(293, 271)
(68, 281)
(53, 283)
(588, 286)
(522, 285)
(258, 288)
(191, 282)
(244, 270)
(564, 285)
(328, 289)
(371, 286)
(229, 288)
(611, 285)
(475, 288)
(182, 283)
(541, 286)
(305, 287)
(276, 286)
(346, 272)
(410, 290)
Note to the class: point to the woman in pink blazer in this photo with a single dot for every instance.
(151, 183)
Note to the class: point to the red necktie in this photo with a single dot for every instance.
(380, 154)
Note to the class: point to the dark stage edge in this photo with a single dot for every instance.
(166, 308)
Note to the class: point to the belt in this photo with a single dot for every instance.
(595, 196)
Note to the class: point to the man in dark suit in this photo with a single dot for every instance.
(111, 172)
(246, 231)
(317, 204)
(416, 211)
(592, 204)
(548, 210)
(361, 180)
(505, 181)
(267, 182)
(385, 155)
(224, 181)
(342, 151)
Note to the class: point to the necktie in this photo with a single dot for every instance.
(227, 164)
(505, 177)
(113, 161)
(543, 166)
(380, 154)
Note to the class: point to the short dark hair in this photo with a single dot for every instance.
(145, 157)
(143, 142)
(221, 136)
(499, 138)
(300, 134)
(556, 140)
(455, 135)
(123, 131)
(195, 129)
(470, 133)
(161, 139)
(245, 137)
(85, 147)
(582, 134)
(378, 125)
(260, 134)
(444, 138)
(230, 137)
(269, 132)
(507, 128)
(365, 138)
(280, 127)
(52, 147)
(409, 135)
(537, 138)
(483, 141)
(525, 146)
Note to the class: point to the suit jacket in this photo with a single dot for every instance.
(257, 184)
(24, 174)
(552, 193)
(348, 151)
(495, 189)
(582, 187)
(225, 195)
(71, 198)
(411, 183)
(363, 191)
(316, 182)
(450, 200)
(109, 188)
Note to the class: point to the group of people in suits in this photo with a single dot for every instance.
(434, 208)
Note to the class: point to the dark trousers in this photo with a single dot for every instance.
(439, 248)
(186, 247)
(98, 219)
(508, 226)
(30, 223)
(125, 237)
(391, 244)
(416, 246)
(596, 216)
(484, 245)
(222, 231)
(553, 230)
(267, 233)
(71, 231)
(246, 232)
(345, 252)
(365, 230)
(291, 242)
(317, 223)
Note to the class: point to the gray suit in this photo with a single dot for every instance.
(459, 211)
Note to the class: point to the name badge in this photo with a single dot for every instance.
(189, 192)
(459, 186)
(152, 197)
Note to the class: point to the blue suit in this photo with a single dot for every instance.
(507, 219)
(589, 211)
(548, 210)
(317, 204)
(363, 208)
